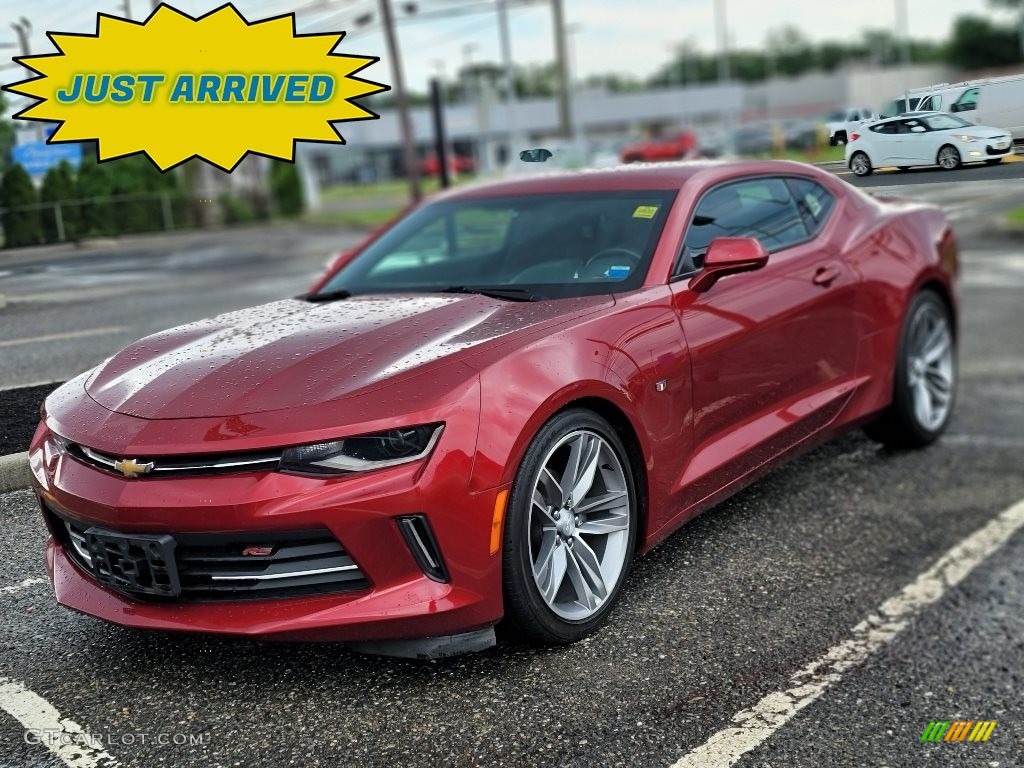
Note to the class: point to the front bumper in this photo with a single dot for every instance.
(396, 599)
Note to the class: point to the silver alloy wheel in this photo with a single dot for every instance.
(949, 158)
(859, 164)
(579, 525)
(930, 366)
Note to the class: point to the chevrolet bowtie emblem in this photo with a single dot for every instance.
(132, 468)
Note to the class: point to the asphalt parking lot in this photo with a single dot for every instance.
(714, 621)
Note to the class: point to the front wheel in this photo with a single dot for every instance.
(925, 378)
(949, 158)
(860, 164)
(570, 530)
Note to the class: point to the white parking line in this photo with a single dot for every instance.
(23, 585)
(755, 725)
(63, 737)
(63, 336)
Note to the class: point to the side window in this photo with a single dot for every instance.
(968, 100)
(931, 104)
(760, 208)
(907, 126)
(813, 201)
(885, 128)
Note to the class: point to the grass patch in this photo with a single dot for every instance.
(391, 188)
(1015, 217)
(826, 155)
(369, 218)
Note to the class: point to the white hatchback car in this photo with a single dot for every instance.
(924, 138)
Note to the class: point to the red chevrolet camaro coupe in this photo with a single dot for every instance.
(490, 407)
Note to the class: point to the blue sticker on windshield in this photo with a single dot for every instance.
(617, 273)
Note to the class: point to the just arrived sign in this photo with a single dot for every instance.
(199, 89)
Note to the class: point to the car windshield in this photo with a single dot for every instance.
(539, 246)
(944, 122)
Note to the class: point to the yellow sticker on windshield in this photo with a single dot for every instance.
(215, 87)
(645, 211)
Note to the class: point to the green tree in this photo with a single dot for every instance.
(6, 135)
(58, 186)
(95, 186)
(21, 227)
(978, 43)
(286, 187)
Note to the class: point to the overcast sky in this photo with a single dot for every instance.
(633, 36)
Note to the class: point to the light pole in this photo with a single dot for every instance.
(572, 75)
(509, 77)
(562, 68)
(903, 31)
(722, 28)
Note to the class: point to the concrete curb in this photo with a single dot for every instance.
(14, 472)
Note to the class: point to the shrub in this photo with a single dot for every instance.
(21, 227)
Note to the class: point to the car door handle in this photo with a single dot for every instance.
(825, 275)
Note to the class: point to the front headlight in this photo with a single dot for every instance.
(967, 139)
(363, 452)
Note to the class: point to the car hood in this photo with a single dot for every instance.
(295, 353)
(979, 132)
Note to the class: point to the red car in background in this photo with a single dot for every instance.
(431, 165)
(678, 146)
(486, 411)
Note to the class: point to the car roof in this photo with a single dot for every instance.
(908, 115)
(650, 176)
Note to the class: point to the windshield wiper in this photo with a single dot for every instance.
(339, 295)
(494, 292)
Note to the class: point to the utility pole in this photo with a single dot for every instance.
(401, 103)
(22, 28)
(723, 41)
(509, 77)
(562, 68)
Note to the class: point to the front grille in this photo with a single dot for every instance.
(210, 566)
(177, 465)
(993, 151)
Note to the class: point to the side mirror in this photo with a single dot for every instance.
(954, 107)
(728, 256)
(535, 155)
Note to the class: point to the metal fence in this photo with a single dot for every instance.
(111, 215)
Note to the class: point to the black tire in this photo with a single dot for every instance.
(955, 153)
(898, 425)
(840, 139)
(903, 167)
(527, 617)
(861, 169)
(994, 161)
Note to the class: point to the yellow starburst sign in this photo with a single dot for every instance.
(216, 87)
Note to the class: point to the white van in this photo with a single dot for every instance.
(997, 101)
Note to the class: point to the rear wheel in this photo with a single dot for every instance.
(840, 139)
(924, 382)
(860, 164)
(948, 158)
(569, 531)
